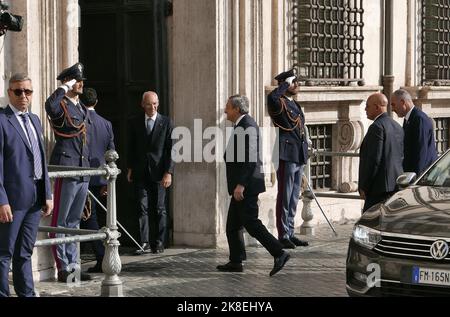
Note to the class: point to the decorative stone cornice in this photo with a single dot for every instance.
(429, 92)
(333, 94)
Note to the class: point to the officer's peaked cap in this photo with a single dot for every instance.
(74, 72)
(283, 76)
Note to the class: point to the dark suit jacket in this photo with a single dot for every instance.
(17, 185)
(243, 164)
(381, 157)
(68, 151)
(100, 140)
(293, 144)
(420, 144)
(150, 154)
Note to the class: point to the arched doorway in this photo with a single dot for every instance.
(123, 45)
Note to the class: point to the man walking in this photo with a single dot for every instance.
(245, 180)
(381, 154)
(420, 144)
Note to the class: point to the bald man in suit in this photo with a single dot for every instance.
(381, 154)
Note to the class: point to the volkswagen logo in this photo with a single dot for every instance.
(439, 250)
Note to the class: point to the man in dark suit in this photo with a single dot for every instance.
(25, 191)
(420, 144)
(100, 140)
(69, 120)
(245, 180)
(150, 168)
(287, 115)
(381, 154)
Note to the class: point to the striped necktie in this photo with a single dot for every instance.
(37, 159)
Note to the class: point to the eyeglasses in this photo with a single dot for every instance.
(19, 92)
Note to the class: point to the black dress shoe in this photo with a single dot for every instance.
(97, 268)
(298, 242)
(159, 249)
(62, 276)
(231, 267)
(279, 263)
(146, 248)
(287, 244)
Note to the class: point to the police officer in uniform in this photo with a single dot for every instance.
(288, 116)
(69, 120)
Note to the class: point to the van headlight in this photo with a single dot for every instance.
(366, 237)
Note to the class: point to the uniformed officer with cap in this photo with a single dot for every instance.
(69, 120)
(288, 116)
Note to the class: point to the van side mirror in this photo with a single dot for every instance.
(406, 179)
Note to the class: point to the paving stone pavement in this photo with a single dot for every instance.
(317, 270)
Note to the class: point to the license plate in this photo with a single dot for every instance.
(431, 276)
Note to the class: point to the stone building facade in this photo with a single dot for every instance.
(217, 48)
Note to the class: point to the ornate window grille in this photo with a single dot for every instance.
(328, 41)
(442, 133)
(436, 42)
(321, 166)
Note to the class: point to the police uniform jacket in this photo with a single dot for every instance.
(289, 118)
(71, 148)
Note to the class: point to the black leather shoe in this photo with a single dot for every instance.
(231, 267)
(279, 263)
(62, 276)
(287, 244)
(159, 249)
(146, 248)
(97, 268)
(298, 242)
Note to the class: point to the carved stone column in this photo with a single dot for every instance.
(112, 285)
(350, 135)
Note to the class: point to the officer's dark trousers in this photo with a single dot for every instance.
(244, 214)
(152, 213)
(17, 242)
(92, 224)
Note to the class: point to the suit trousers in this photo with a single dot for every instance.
(152, 213)
(244, 214)
(17, 243)
(71, 203)
(289, 176)
(93, 224)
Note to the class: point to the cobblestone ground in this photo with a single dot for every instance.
(317, 270)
